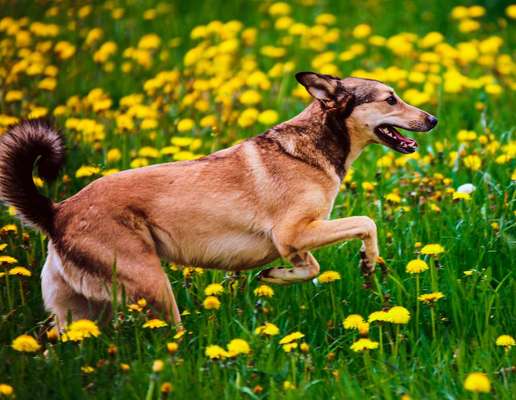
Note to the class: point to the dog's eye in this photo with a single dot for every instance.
(391, 100)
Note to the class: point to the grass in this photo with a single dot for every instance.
(429, 357)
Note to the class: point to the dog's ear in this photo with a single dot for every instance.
(325, 88)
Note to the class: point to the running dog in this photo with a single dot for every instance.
(265, 198)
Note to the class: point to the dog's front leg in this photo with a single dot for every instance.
(294, 241)
(305, 268)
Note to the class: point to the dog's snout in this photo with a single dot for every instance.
(431, 120)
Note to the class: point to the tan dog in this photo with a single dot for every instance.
(236, 209)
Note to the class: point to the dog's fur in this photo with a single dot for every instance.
(236, 209)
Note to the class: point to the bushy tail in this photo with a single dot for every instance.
(21, 147)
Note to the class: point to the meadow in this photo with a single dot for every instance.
(133, 83)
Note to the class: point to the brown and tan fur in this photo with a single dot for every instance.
(268, 197)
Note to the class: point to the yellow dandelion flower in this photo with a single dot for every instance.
(328, 276)
(506, 341)
(25, 343)
(393, 198)
(8, 260)
(291, 337)
(268, 117)
(477, 382)
(304, 347)
(20, 271)
(264, 291)
(416, 266)
(86, 171)
(432, 249)
(267, 329)
(6, 390)
(381, 316)
(185, 125)
(214, 289)
(87, 369)
(238, 346)
(215, 352)
(430, 298)
(172, 347)
(250, 97)
(79, 330)
(211, 303)
(353, 321)
(510, 11)
(155, 323)
(288, 347)
(364, 344)
(398, 315)
(461, 196)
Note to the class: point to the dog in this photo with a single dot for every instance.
(265, 198)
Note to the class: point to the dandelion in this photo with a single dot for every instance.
(506, 341)
(267, 329)
(211, 303)
(7, 260)
(154, 324)
(398, 315)
(287, 385)
(430, 298)
(364, 344)
(461, 196)
(304, 347)
(328, 276)
(26, 344)
(381, 316)
(353, 321)
(238, 346)
(172, 347)
(6, 390)
(477, 382)
(214, 289)
(432, 249)
(215, 352)
(185, 125)
(288, 347)
(268, 117)
(264, 291)
(87, 369)
(416, 266)
(291, 337)
(78, 330)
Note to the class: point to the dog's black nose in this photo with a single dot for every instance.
(432, 121)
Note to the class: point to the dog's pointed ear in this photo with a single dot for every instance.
(324, 88)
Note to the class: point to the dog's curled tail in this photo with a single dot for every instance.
(25, 144)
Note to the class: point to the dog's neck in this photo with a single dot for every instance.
(320, 137)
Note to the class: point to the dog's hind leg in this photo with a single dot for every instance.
(62, 300)
(142, 276)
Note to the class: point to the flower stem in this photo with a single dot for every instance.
(432, 314)
(417, 305)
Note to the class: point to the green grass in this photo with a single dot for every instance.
(476, 309)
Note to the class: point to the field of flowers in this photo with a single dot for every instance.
(133, 83)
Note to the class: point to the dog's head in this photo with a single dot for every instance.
(372, 109)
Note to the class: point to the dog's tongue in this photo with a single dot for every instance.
(403, 139)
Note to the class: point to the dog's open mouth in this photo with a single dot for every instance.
(395, 140)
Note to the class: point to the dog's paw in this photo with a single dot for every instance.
(277, 276)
